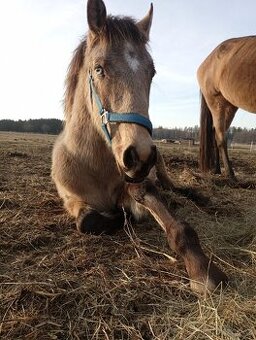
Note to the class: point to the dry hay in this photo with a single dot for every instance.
(58, 284)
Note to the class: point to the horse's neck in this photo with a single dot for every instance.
(85, 141)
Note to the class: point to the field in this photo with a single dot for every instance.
(58, 284)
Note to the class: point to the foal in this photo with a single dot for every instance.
(103, 159)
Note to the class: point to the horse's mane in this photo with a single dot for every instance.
(72, 76)
(116, 30)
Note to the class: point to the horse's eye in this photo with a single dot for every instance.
(99, 70)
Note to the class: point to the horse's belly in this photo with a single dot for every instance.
(238, 84)
(241, 95)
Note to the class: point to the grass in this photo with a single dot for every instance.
(58, 284)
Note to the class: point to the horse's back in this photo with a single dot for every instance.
(230, 69)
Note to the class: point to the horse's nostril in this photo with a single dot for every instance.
(130, 157)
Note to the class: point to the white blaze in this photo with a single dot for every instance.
(130, 57)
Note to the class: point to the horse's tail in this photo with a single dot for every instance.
(207, 139)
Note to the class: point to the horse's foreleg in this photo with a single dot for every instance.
(72, 184)
(203, 274)
(91, 221)
(162, 174)
(88, 219)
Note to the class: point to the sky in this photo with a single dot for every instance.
(38, 38)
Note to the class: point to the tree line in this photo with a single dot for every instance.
(47, 126)
(55, 126)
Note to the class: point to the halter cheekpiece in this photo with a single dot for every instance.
(113, 117)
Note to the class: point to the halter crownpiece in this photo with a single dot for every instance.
(113, 117)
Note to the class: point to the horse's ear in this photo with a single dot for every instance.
(145, 24)
(96, 15)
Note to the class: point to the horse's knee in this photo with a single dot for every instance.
(93, 222)
(140, 190)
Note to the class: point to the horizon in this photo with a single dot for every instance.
(154, 127)
(45, 33)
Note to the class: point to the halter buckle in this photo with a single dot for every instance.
(105, 116)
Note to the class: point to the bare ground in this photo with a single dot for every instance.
(58, 284)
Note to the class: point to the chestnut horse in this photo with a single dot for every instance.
(103, 160)
(227, 79)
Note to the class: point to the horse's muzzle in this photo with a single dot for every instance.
(135, 169)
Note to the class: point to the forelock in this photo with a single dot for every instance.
(120, 29)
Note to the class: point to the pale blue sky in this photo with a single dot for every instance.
(38, 37)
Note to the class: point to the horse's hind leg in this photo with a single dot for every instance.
(204, 275)
(217, 169)
(223, 113)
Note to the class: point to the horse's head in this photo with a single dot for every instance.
(120, 71)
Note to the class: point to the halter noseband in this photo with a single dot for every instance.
(112, 117)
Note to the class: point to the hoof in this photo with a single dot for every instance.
(95, 223)
(205, 276)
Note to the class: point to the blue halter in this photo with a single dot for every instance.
(112, 117)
